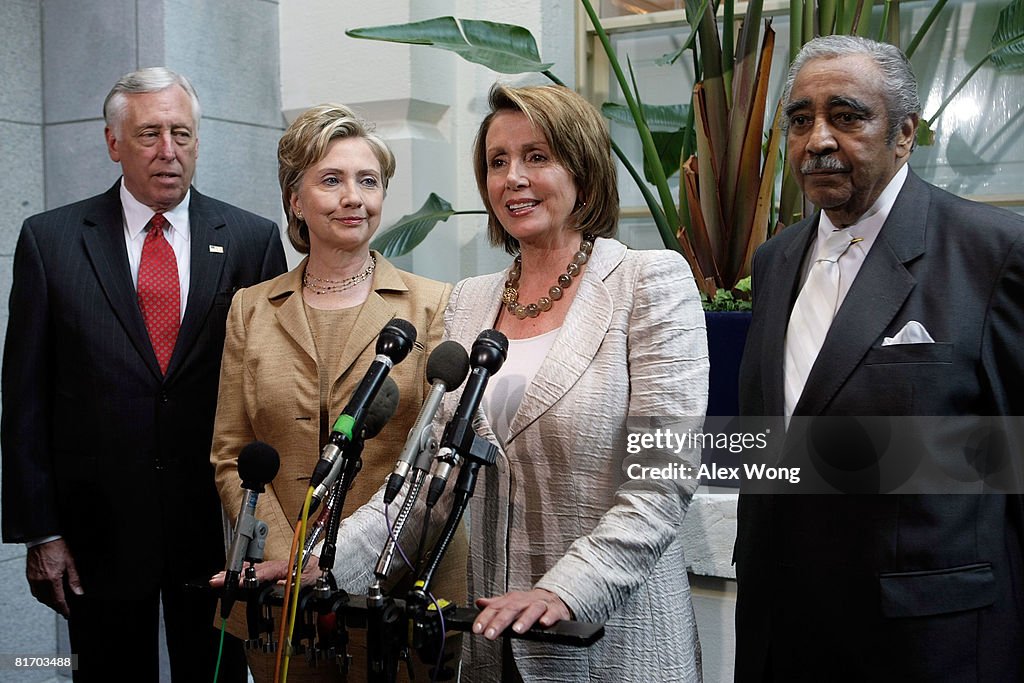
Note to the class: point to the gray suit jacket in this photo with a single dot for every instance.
(891, 587)
(553, 512)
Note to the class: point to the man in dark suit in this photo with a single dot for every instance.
(918, 312)
(111, 364)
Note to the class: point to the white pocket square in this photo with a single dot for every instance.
(912, 333)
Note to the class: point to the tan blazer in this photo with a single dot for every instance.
(270, 391)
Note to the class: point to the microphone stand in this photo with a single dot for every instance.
(258, 616)
(352, 462)
(338, 610)
(419, 475)
(427, 615)
(325, 599)
(317, 532)
(383, 639)
(475, 451)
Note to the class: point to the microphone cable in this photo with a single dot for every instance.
(290, 605)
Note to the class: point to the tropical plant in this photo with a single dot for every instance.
(504, 48)
(723, 142)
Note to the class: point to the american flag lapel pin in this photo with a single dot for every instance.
(216, 249)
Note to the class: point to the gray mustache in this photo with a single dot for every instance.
(823, 163)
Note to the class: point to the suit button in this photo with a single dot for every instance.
(163, 397)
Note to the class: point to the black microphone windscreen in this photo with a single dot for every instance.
(382, 408)
(396, 339)
(448, 363)
(495, 336)
(489, 350)
(257, 465)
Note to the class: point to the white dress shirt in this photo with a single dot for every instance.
(505, 390)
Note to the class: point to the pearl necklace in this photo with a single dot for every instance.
(323, 286)
(510, 295)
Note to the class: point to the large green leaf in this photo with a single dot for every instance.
(662, 117)
(670, 148)
(1009, 37)
(505, 48)
(668, 130)
(410, 230)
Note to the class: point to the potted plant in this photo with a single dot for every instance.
(723, 143)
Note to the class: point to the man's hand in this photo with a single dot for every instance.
(524, 609)
(46, 568)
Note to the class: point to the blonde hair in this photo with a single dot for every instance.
(306, 142)
(579, 140)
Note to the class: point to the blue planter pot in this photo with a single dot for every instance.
(727, 334)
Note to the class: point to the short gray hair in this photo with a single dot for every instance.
(152, 79)
(899, 86)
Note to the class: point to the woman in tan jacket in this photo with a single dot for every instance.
(298, 345)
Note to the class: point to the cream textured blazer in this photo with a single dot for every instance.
(553, 512)
(270, 391)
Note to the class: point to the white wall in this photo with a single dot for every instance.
(426, 102)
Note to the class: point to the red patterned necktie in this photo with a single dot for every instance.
(159, 291)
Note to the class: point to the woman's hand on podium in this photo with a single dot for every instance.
(520, 609)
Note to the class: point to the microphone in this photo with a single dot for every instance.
(377, 415)
(486, 357)
(393, 345)
(258, 463)
(447, 368)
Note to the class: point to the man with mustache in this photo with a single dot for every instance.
(110, 374)
(894, 299)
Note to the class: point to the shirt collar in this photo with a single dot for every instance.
(870, 223)
(137, 214)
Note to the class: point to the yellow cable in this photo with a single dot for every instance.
(282, 631)
(297, 580)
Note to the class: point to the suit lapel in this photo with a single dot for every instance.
(291, 315)
(204, 276)
(577, 343)
(375, 313)
(876, 296)
(103, 237)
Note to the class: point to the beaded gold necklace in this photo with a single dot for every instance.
(510, 296)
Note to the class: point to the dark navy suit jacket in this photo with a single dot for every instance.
(98, 445)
